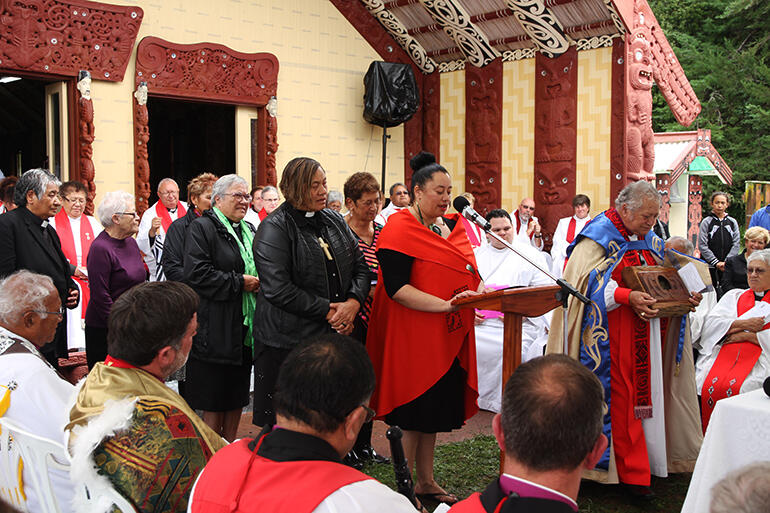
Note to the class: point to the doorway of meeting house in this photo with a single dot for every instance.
(34, 125)
(188, 138)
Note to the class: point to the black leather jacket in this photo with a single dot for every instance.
(293, 298)
(214, 269)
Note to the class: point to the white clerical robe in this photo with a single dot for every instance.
(559, 248)
(252, 217)
(76, 335)
(385, 213)
(715, 328)
(146, 246)
(500, 268)
(521, 233)
(38, 404)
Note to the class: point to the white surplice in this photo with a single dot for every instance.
(559, 248)
(76, 335)
(147, 245)
(716, 326)
(500, 268)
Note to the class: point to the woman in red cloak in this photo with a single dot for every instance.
(422, 347)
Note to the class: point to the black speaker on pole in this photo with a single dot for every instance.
(391, 97)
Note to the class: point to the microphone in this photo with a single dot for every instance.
(766, 386)
(462, 205)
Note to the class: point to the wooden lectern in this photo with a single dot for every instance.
(515, 303)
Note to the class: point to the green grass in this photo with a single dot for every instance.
(469, 466)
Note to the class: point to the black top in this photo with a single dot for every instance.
(397, 266)
(734, 276)
(285, 445)
(493, 495)
(172, 258)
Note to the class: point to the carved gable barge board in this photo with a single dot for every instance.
(389, 50)
(63, 37)
(555, 139)
(205, 72)
(483, 134)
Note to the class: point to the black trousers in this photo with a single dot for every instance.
(96, 345)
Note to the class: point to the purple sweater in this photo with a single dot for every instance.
(114, 266)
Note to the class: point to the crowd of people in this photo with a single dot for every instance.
(342, 319)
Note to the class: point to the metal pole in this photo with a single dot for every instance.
(384, 154)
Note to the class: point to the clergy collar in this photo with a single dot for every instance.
(524, 488)
(34, 217)
(285, 445)
(172, 210)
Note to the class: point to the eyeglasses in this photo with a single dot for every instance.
(370, 413)
(60, 313)
(399, 193)
(74, 200)
(239, 196)
(272, 200)
(132, 214)
(169, 193)
(527, 207)
(756, 270)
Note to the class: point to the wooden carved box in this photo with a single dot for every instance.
(662, 283)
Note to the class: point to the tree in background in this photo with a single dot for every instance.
(724, 48)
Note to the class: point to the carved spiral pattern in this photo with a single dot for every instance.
(541, 26)
(615, 17)
(62, 37)
(519, 54)
(590, 43)
(396, 29)
(456, 23)
(449, 66)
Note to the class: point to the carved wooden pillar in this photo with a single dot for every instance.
(141, 155)
(431, 116)
(483, 134)
(555, 139)
(267, 144)
(618, 119)
(694, 213)
(663, 183)
(86, 138)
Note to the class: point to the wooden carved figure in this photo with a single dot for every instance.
(640, 149)
(556, 109)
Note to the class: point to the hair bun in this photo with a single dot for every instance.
(422, 159)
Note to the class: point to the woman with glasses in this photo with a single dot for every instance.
(219, 266)
(313, 276)
(114, 265)
(736, 339)
(77, 232)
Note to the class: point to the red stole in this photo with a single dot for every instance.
(238, 480)
(165, 217)
(571, 230)
(64, 230)
(262, 215)
(412, 350)
(473, 235)
(732, 366)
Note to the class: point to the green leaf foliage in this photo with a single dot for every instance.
(724, 48)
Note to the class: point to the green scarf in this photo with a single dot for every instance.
(249, 299)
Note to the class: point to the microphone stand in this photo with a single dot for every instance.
(563, 295)
(400, 467)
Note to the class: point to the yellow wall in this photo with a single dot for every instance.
(594, 96)
(518, 132)
(453, 128)
(320, 86)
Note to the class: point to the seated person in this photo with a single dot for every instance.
(735, 345)
(566, 231)
(550, 430)
(320, 402)
(500, 267)
(129, 430)
(32, 394)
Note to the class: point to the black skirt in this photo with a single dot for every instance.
(216, 386)
(267, 362)
(441, 408)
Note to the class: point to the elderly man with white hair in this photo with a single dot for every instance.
(27, 241)
(735, 344)
(618, 338)
(32, 394)
(155, 223)
(114, 266)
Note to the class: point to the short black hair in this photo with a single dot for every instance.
(149, 317)
(552, 413)
(393, 187)
(424, 166)
(498, 213)
(581, 199)
(72, 186)
(322, 380)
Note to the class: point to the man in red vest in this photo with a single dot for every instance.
(566, 231)
(550, 429)
(154, 225)
(321, 402)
